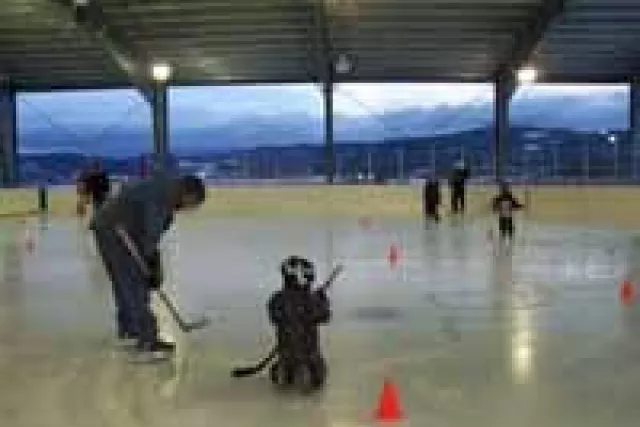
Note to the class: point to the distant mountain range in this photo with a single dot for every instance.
(573, 113)
(533, 151)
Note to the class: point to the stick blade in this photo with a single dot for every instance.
(201, 323)
(244, 372)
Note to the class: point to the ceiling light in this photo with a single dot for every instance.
(161, 72)
(527, 75)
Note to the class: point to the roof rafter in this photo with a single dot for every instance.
(527, 41)
(320, 42)
(89, 16)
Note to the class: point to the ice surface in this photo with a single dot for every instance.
(471, 334)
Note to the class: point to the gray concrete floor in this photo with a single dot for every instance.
(472, 335)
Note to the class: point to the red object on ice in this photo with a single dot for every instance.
(627, 292)
(365, 222)
(393, 255)
(388, 409)
(29, 245)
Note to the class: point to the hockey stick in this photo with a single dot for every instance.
(252, 370)
(173, 310)
(184, 325)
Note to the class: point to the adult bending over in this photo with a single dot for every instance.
(128, 229)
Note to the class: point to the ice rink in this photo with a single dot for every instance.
(472, 335)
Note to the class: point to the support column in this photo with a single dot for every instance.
(329, 160)
(634, 125)
(504, 88)
(8, 135)
(159, 111)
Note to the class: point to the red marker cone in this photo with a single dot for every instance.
(29, 243)
(393, 255)
(388, 409)
(627, 292)
(365, 222)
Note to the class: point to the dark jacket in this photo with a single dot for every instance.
(142, 209)
(459, 178)
(296, 314)
(97, 185)
(505, 204)
(431, 193)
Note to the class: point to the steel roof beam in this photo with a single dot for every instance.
(277, 79)
(527, 41)
(320, 42)
(89, 16)
(322, 71)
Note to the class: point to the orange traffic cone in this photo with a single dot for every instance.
(627, 292)
(393, 255)
(389, 404)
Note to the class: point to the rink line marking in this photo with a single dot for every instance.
(542, 302)
(586, 354)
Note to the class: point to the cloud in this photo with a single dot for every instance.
(361, 99)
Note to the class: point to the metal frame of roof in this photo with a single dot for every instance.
(57, 44)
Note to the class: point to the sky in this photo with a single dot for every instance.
(240, 115)
(197, 107)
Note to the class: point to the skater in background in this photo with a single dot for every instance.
(128, 229)
(505, 205)
(457, 184)
(296, 311)
(94, 187)
(431, 199)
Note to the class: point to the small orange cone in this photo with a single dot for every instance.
(389, 404)
(627, 292)
(393, 255)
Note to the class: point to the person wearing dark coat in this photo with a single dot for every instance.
(94, 186)
(127, 230)
(457, 184)
(504, 205)
(431, 199)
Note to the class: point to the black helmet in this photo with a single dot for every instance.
(297, 272)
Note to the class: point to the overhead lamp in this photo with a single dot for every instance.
(343, 64)
(527, 75)
(612, 139)
(161, 72)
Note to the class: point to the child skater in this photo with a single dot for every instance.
(296, 311)
(504, 205)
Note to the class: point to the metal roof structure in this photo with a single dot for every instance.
(48, 44)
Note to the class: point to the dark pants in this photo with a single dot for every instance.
(431, 211)
(131, 292)
(286, 370)
(506, 228)
(457, 200)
